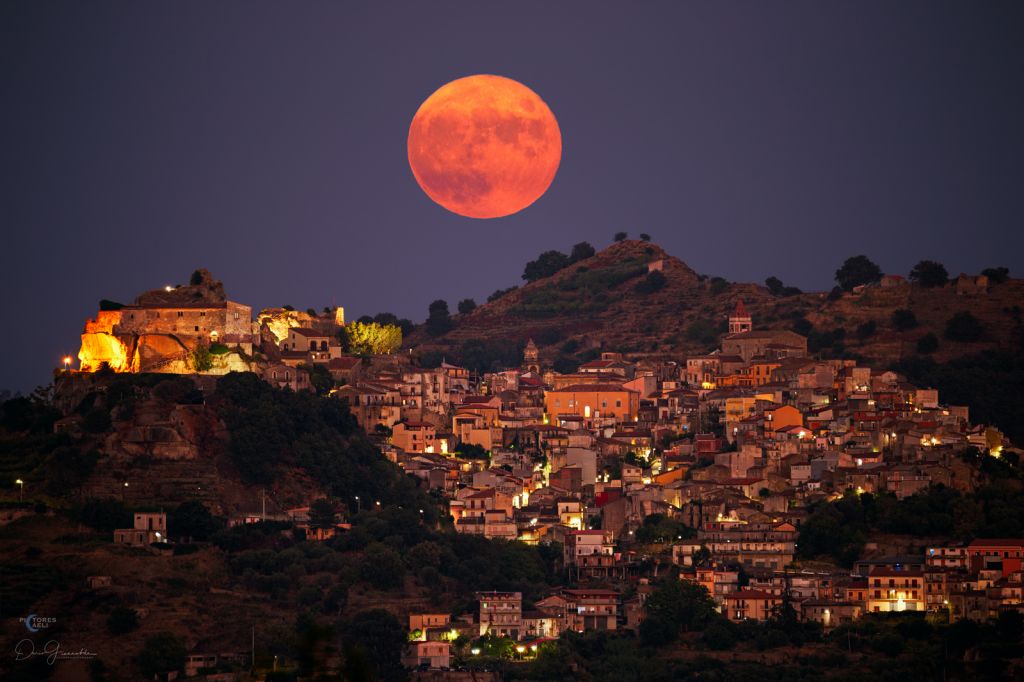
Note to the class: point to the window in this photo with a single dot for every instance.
(181, 314)
(197, 327)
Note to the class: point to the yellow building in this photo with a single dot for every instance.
(891, 590)
(593, 401)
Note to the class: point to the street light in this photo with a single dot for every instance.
(357, 504)
(67, 363)
(21, 489)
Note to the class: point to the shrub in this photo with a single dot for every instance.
(929, 343)
(996, 275)
(964, 327)
(655, 281)
(466, 306)
(620, 236)
(904, 319)
(866, 329)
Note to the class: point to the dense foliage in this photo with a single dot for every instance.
(372, 338)
(271, 429)
(838, 530)
(857, 270)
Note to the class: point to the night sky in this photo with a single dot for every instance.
(267, 142)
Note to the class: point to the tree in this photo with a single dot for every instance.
(373, 338)
(996, 275)
(162, 653)
(546, 264)
(903, 319)
(193, 519)
(380, 638)
(201, 358)
(323, 513)
(929, 273)
(196, 278)
(929, 343)
(466, 306)
(439, 320)
(964, 327)
(676, 605)
(857, 270)
(774, 285)
(620, 236)
(104, 515)
(581, 251)
(122, 620)
(644, 237)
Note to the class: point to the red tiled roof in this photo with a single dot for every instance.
(751, 594)
(594, 388)
(304, 331)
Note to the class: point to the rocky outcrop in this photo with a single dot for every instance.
(205, 290)
(168, 432)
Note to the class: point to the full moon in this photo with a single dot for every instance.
(484, 146)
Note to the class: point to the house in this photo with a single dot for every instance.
(591, 609)
(413, 436)
(589, 552)
(750, 605)
(895, 590)
(149, 527)
(501, 613)
(1004, 554)
(434, 654)
(592, 401)
(422, 622)
(829, 613)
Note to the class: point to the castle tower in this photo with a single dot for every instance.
(531, 357)
(740, 321)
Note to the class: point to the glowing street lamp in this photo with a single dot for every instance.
(474, 651)
(357, 504)
(21, 489)
(67, 363)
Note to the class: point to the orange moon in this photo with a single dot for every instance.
(484, 146)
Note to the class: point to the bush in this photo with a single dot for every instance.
(466, 306)
(655, 281)
(996, 275)
(929, 343)
(866, 329)
(620, 236)
(107, 304)
(903, 319)
(964, 327)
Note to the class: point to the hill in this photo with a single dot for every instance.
(611, 301)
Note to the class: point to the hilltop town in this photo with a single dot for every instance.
(782, 482)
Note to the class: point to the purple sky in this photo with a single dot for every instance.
(266, 142)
